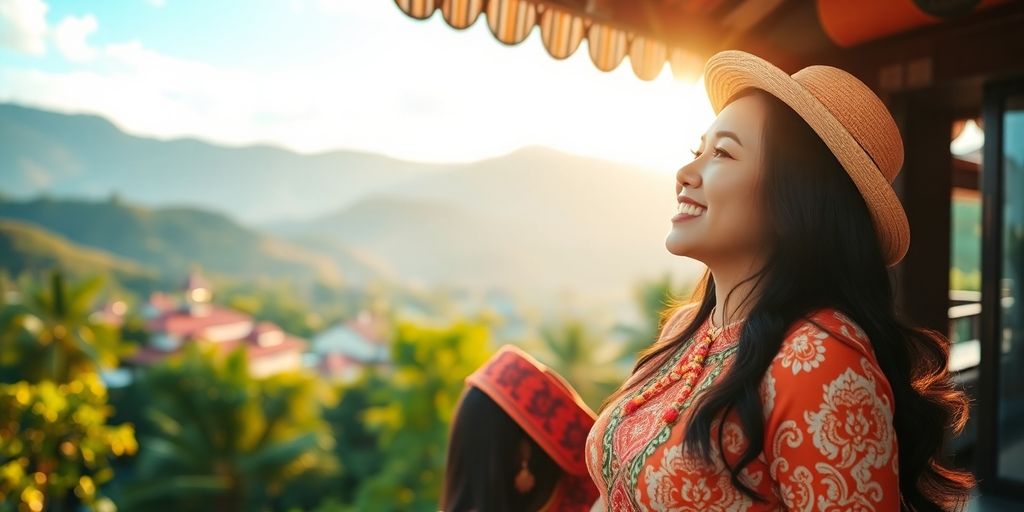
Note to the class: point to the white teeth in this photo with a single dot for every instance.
(690, 209)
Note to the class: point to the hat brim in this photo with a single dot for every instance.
(539, 374)
(731, 72)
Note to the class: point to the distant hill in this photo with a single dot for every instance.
(29, 249)
(173, 240)
(87, 156)
(534, 221)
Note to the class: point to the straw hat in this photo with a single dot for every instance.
(848, 117)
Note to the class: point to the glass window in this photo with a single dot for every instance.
(1010, 418)
(965, 245)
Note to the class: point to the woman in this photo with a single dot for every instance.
(517, 441)
(788, 382)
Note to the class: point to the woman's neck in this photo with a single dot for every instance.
(732, 280)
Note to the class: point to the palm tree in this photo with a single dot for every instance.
(50, 352)
(591, 364)
(49, 334)
(217, 439)
(410, 410)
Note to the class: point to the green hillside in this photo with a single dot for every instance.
(174, 240)
(28, 249)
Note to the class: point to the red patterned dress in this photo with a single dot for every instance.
(829, 441)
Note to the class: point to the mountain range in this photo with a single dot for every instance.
(75, 155)
(535, 221)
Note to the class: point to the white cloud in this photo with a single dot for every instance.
(413, 90)
(23, 26)
(71, 37)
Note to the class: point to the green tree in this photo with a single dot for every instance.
(50, 335)
(55, 445)
(588, 361)
(356, 442)
(652, 300)
(221, 440)
(414, 413)
(356, 446)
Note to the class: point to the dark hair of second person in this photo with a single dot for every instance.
(485, 469)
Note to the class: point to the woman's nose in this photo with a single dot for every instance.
(688, 175)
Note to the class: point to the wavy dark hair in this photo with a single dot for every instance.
(483, 460)
(823, 252)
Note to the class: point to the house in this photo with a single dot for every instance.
(195, 319)
(343, 351)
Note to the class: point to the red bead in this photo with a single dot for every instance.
(686, 370)
(632, 406)
(670, 415)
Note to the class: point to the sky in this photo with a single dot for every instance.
(318, 75)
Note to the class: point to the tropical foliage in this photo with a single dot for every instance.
(199, 432)
(56, 444)
(50, 334)
(221, 440)
(412, 414)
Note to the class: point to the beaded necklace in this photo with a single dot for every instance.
(686, 370)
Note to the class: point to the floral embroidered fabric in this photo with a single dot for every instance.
(829, 439)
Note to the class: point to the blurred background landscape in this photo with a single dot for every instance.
(249, 251)
(170, 256)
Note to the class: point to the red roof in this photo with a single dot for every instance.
(181, 323)
(255, 351)
(147, 356)
(190, 328)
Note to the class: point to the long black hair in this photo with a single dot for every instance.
(824, 252)
(484, 458)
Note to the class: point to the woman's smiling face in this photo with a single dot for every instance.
(724, 181)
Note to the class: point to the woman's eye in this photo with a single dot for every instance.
(717, 152)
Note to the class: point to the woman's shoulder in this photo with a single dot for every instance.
(829, 416)
(823, 346)
(833, 324)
